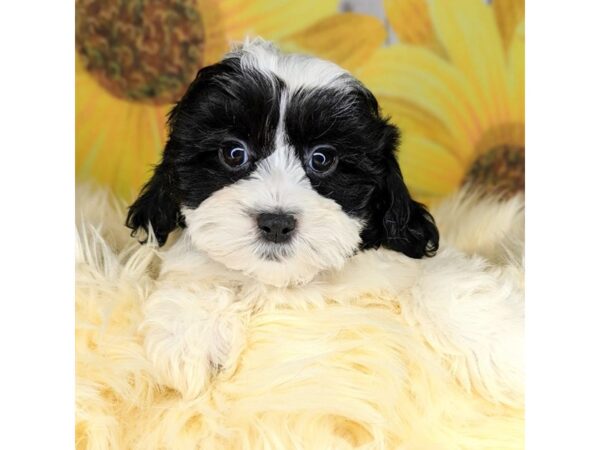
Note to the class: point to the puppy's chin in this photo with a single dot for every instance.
(273, 272)
(224, 227)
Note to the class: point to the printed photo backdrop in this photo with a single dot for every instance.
(450, 74)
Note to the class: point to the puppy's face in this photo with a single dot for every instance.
(281, 167)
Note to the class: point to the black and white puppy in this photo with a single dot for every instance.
(279, 169)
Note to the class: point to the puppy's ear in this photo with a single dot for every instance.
(156, 206)
(407, 225)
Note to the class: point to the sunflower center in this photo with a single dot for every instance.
(500, 170)
(141, 50)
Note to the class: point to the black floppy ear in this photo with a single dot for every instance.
(407, 225)
(156, 206)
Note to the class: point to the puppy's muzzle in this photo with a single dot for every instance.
(276, 227)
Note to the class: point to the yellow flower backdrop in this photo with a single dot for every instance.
(450, 74)
(455, 86)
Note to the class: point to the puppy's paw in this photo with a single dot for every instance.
(472, 315)
(189, 335)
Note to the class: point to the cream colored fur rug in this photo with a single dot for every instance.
(438, 366)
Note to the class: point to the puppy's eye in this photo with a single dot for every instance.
(323, 159)
(234, 154)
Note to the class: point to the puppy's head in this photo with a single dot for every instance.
(281, 166)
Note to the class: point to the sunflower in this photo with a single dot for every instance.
(134, 59)
(455, 87)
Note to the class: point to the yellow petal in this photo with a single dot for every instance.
(468, 31)
(410, 21)
(347, 39)
(414, 121)
(429, 170)
(116, 141)
(215, 40)
(90, 98)
(272, 19)
(416, 76)
(516, 74)
(509, 13)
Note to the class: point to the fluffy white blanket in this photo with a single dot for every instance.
(412, 354)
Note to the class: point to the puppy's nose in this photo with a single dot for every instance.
(276, 227)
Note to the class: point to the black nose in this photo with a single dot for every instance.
(276, 227)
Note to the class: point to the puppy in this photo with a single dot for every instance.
(281, 175)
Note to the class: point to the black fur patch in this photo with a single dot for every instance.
(222, 103)
(367, 182)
